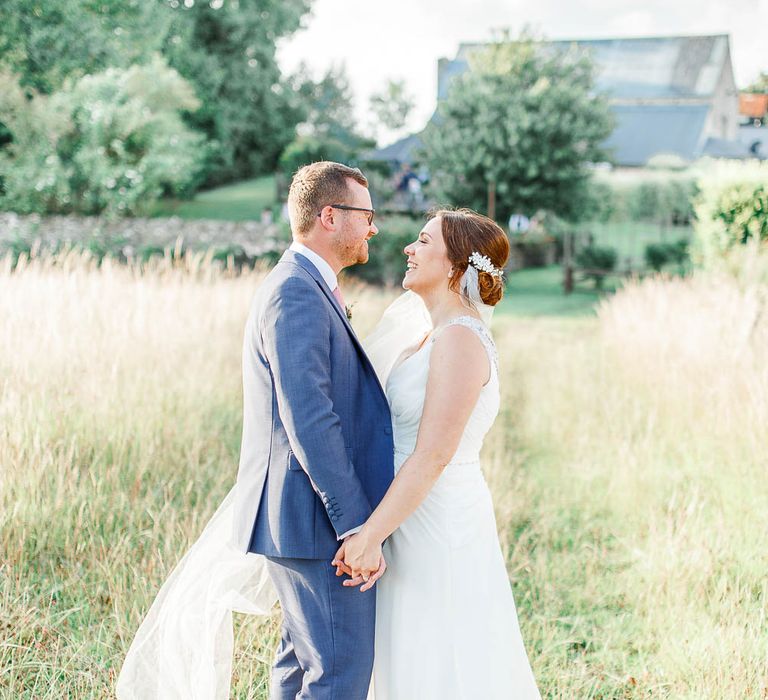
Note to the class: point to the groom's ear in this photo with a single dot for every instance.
(327, 219)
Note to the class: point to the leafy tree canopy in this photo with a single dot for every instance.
(224, 48)
(760, 85)
(392, 105)
(525, 117)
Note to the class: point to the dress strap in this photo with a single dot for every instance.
(482, 332)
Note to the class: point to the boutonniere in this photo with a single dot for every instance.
(348, 310)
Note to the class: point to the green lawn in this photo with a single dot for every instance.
(539, 292)
(239, 202)
(533, 292)
(630, 237)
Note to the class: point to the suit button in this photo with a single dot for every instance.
(388, 429)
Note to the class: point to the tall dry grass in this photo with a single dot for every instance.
(628, 468)
(646, 464)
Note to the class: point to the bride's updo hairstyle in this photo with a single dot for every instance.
(466, 232)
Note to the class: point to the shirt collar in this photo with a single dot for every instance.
(328, 275)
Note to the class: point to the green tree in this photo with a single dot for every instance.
(110, 142)
(226, 49)
(328, 130)
(525, 119)
(44, 43)
(760, 85)
(392, 105)
(328, 106)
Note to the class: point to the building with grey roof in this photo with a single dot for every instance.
(669, 95)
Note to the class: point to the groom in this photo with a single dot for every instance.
(317, 452)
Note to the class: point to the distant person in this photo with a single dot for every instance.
(415, 195)
(405, 178)
(518, 224)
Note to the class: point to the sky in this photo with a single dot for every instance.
(403, 39)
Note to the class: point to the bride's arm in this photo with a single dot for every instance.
(459, 367)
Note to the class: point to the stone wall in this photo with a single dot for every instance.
(130, 236)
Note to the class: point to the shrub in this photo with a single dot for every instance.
(597, 261)
(678, 251)
(658, 196)
(656, 255)
(536, 248)
(731, 209)
(112, 142)
(659, 254)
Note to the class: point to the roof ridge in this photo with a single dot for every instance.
(608, 38)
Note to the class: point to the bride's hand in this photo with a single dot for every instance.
(360, 556)
(375, 576)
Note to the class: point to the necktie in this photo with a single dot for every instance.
(339, 298)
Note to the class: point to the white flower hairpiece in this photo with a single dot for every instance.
(484, 264)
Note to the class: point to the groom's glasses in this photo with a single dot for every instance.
(371, 212)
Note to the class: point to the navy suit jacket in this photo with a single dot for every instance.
(317, 453)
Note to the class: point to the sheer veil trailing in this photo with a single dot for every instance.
(183, 649)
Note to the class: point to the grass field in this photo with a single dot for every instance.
(538, 292)
(627, 466)
(630, 237)
(239, 202)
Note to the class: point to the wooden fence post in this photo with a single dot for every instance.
(568, 262)
(492, 199)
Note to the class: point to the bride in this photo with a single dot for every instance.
(446, 624)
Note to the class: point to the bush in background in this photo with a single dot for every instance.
(659, 254)
(112, 142)
(662, 196)
(731, 209)
(597, 261)
(541, 244)
(534, 249)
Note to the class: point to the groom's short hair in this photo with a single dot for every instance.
(316, 186)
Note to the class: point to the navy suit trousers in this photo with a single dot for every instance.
(326, 649)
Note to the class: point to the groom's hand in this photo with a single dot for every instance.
(338, 561)
(375, 576)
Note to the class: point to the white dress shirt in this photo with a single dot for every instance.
(329, 277)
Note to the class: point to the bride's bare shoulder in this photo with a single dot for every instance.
(459, 352)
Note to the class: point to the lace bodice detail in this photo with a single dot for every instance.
(406, 389)
(483, 333)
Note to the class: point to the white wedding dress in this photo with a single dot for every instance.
(446, 625)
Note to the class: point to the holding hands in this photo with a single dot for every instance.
(360, 557)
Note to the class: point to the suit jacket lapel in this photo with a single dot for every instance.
(292, 256)
(299, 259)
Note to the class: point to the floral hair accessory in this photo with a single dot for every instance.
(484, 264)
